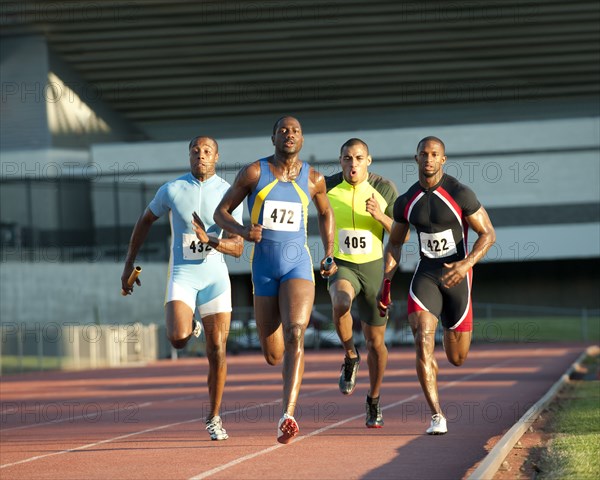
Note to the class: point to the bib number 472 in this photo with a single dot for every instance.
(279, 216)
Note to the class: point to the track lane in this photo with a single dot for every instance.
(483, 398)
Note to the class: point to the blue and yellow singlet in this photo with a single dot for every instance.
(282, 209)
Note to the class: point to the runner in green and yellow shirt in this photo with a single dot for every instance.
(362, 203)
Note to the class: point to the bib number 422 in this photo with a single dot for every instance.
(438, 245)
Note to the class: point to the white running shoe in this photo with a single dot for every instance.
(287, 429)
(215, 428)
(196, 328)
(438, 425)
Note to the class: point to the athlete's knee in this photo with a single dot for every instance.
(376, 344)
(457, 362)
(342, 305)
(456, 346)
(177, 341)
(216, 353)
(273, 358)
(294, 335)
(456, 358)
(424, 339)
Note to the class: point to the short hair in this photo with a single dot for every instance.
(352, 142)
(276, 124)
(430, 139)
(195, 139)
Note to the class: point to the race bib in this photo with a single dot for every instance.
(282, 216)
(193, 249)
(355, 242)
(437, 245)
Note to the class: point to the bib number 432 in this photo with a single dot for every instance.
(193, 249)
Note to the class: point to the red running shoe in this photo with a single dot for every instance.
(287, 429)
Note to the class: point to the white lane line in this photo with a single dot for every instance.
(6, 412)
(250, 456)
(125, 409)
(69, 418)
(120, 437)
(90, 445)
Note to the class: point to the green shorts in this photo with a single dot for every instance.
(365, 278)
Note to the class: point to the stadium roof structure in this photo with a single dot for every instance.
(169, 68)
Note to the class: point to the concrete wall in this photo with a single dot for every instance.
(23, 77)
(78, 293)
(538, 180)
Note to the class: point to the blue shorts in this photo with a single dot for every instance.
(276, 262)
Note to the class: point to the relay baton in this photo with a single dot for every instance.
(327, 264)
(132, 278)
(385, 295)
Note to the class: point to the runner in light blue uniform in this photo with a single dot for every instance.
(195, 269)
(198, 278)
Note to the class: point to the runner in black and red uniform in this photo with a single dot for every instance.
(441, 209)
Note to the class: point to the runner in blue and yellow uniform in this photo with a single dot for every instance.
(362, 203)
(198, 279)
(441, 209)
(279, 188)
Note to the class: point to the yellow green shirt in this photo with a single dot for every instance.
(358, 236)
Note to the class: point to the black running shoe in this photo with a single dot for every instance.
(374, 415)
(348, 374)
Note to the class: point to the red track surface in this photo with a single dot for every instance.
(148, 422)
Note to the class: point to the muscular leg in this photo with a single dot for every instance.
(342, 294)
(423, 325)
(179, 322)
(377, 356)
(296, 298)
(268, 325)
(216, 330)
(456, 345)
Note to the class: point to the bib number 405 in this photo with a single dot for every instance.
(355, 242)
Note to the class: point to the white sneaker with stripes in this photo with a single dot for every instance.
(215, 428)
(438, 425)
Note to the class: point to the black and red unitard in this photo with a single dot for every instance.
(438, 215)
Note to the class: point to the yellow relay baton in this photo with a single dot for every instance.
(132, 278)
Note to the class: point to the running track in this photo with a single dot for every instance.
(148, 422)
